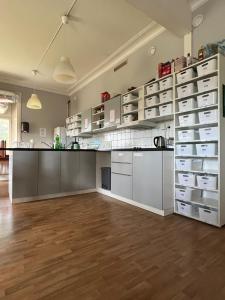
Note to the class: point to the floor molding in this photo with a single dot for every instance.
(137, 204)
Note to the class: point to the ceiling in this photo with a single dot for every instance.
(96, 30)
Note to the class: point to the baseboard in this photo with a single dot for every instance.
(51, 196)
(163, 213)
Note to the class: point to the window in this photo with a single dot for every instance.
(5, 130)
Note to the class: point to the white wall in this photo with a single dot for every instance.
(52, 114)
(212, 29)
(140, 69)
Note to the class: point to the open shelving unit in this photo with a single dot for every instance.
(132, 110)
(154, 111)
(98, 117)
(73, 125)
(208, 205)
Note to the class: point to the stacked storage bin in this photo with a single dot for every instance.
(159, 99)
(196, 139)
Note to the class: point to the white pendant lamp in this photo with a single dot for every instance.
(64, 71)
(34, 102)
(3, 108)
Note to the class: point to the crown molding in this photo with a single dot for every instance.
(137, 41)
(29, 85)
(195, 4)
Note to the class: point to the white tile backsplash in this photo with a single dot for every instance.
(128, 138)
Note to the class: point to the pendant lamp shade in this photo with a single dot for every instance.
(34, 102)
(64, 71)
(3, 108)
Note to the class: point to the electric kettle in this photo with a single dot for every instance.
(159, 142)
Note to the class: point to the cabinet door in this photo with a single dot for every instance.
(87, 174)
(121, 185)
(113, 111)
(48, 172)
(24, 174)
(86, 121)
(147, 178)
(70, 167)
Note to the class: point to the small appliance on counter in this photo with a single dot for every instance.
(75, 145)
(159, 142)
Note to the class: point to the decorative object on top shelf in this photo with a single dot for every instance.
(105, 96)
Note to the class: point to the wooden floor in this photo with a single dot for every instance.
(93, 247)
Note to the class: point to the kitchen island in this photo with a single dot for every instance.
(141, 177)
(36, 174)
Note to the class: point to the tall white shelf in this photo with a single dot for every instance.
(207, 204)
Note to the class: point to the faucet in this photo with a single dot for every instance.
(50, 146)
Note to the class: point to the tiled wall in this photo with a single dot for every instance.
(128, 138)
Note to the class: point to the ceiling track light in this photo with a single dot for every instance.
(64, 71)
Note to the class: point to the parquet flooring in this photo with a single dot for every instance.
(91, 247)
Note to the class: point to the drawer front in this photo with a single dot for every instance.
(121, 168)
(122, 156)
(122, 185)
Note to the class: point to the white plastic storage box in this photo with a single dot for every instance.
(151, 112)
(186, 90)
(166, 83)
(188, 135)
(152, 100)
(166, 109)
(207, 84)
(128, 118)
(152, 88)
(76, 118)
(187, 194)
(183, 208)
(189, 164)
(186, 104)
(208, 215)
(188, 120)
(208, 116)
(129, 97)
(166, 96)
(208, 182)
(206, 149)
(185, 75)
(76, 131)
(207, 67)
(186, 179)
(188, 149)
(207, 99)
(129, 107)
(208, 133)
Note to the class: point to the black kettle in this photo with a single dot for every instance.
(159, 142)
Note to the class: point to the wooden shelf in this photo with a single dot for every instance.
(131, 112)
(199, 172)
(161, 118)
(136, 100)
(197, 188)
(158, 104)
(196, 109)
(198, 125)
(196, 141)
(138, 125)
(198, 156)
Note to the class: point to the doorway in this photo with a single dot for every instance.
(5, 135)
